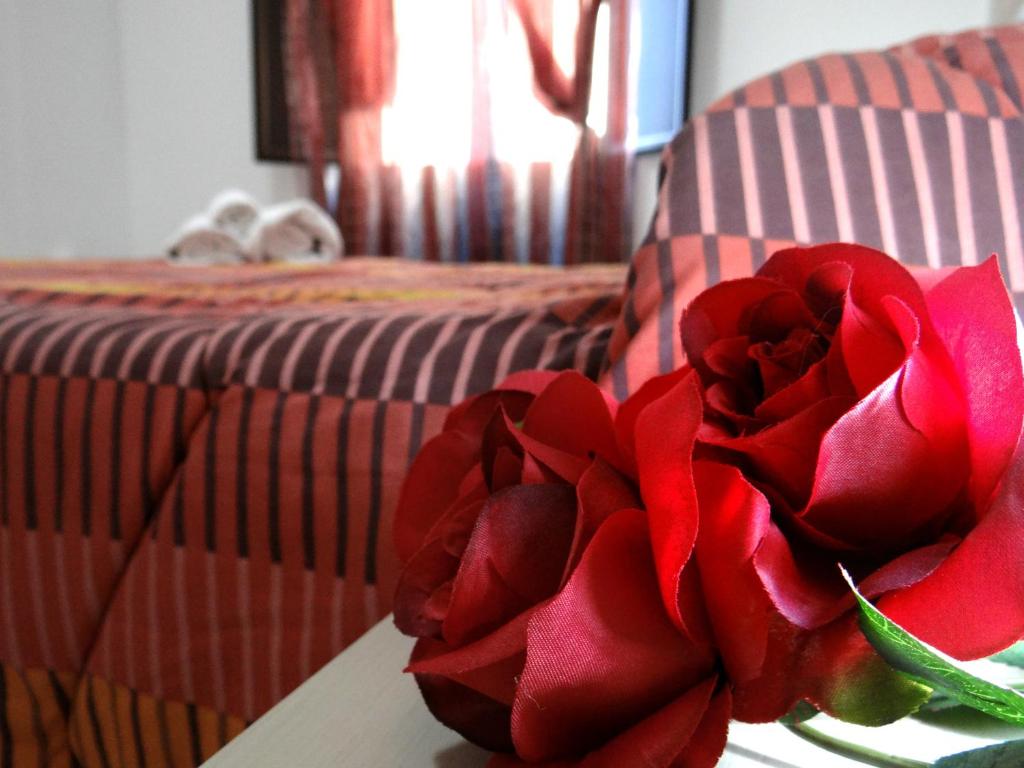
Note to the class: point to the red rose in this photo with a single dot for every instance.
(836, 410)
(530, 583)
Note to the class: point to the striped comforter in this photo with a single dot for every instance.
(198, 469)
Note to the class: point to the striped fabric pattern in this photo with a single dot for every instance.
(917, 151)
(198, 469)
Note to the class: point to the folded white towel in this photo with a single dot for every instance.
(235, 212)
(294, 231)
(235, 229)
(200, 241)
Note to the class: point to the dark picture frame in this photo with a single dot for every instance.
(273, 132)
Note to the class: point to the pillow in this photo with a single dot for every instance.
(917, 151)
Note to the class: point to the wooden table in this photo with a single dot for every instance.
(361, 711)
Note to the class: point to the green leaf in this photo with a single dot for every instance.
(940, 701)
(1009, 754)
(931, 667)
(1014, 656)
(874, 694)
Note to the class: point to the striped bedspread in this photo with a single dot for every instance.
(198, 469)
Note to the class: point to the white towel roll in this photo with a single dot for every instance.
(235, 212)
(295, 231)
(200, 241)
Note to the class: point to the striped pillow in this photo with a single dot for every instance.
(917, 151)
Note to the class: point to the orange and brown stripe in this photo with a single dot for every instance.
(917, 151)
(196, 493)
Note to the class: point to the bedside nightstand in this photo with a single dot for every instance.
(362, 711)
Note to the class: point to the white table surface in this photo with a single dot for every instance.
(361, 711)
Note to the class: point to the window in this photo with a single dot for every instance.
(662, 36)
(665, 31)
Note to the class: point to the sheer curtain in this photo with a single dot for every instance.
(468, 130)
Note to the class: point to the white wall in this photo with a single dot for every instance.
(119, 118)
(63, 170)
(189, 113)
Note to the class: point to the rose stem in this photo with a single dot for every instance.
(853, 751)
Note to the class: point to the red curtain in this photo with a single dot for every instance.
(567, 95)
(418, 105)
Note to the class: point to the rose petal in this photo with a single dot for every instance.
(663, 740)
(784, 454)
(433, 565)
(534, 472)
(974, 318)
(728, 357)
(489, 666)
(929, 394)
(810, 388)
(665, 435)
(722, 312)
(455, 528)
(506, 470)
(775, 317)
(929, 277)
(500, 452)
(471, 416)
(873, 275)
(511, 761)
(573, 415)
(734, 520)
(430, 488)
(825, 290)
(804, 585)
(972, 605)
(479, 718)
(879, 481)
(600, 493)
(514, 560)
(425, 572)
(436, 607)
(500, 760)
(741, 553)
(603, 654)
(473, 482)
(733, 407)
(630, 409)
(693, 610)
(688, 733)
(706, 745)
(532, 381)
(837, 274)
(907, 569)
(871, 349)
(565, 465)
(784, 364)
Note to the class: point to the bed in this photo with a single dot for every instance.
(198, 468)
